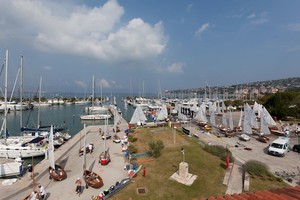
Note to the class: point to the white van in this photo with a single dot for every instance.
(279, 147)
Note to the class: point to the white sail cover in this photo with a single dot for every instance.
(241, 119)
(51, 149)
(247, 119)
(138, 116)
(224, 120)
(213, 118)
(270, 119)
(254, 123)
(264, 120)
(210, 107)
(223, 107)
(201, 116)
(230, 120)
(163, 113)
(257, 108)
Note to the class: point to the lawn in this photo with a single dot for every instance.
(157, 183)
(258, 183)
(207, 167)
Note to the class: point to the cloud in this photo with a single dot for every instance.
(189, 7)
(175, 68)
(261, 19)
(96, 32)
(202, 28)
(103, 83)
(251, 16)
(293, 27)
(81, 84)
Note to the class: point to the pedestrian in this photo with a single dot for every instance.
(41, 192)
(90, 147)
(78, 183)
(33, 195)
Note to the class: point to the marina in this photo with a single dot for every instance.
(68, 156)
(105, 159)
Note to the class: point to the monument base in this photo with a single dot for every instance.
(182, 176)
(188, 180)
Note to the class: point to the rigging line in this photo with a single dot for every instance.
(0, 75)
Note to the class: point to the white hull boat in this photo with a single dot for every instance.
(14, 151)
(11, 168)
(95, 117)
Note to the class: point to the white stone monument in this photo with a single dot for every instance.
(183, 176)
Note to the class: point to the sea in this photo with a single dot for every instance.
(59, 115)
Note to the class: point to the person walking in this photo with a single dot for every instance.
(41, 192)
(78, 183)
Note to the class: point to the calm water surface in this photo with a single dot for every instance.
(58, 115)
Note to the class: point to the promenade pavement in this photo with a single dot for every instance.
(256, 151)
(68, 157)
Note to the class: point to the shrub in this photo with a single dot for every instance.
(155, 148)
(257, 168)
(132, 149)
(219, 151)
(132, 138)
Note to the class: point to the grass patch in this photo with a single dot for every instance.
(204, 165)
(259, 183)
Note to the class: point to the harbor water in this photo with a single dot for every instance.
(59, 115)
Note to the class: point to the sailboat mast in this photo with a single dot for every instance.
(5, 92)
(40, 93)
(106, 124)
(21, 91)
(93, 95)
(84, 150)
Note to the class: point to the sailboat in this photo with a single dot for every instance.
(200, 118)
(104, 157)
(91, 178)
(56, 172)
(16, 148)
(247, 129)
(96, 112)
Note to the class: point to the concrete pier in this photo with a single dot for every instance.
(67, 156)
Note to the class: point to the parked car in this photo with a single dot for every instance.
(296, 148)
(280, 146)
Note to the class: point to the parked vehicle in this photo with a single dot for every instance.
(296, 148)
(279, 147)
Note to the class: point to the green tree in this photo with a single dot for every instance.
(155, 148)
(283, 104)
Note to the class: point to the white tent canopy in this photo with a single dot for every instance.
(138, 116)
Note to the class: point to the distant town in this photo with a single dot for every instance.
(245, 91)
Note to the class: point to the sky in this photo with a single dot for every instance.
(148, 46)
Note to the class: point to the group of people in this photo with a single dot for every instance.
(38, 194)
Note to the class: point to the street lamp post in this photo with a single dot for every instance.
(182, 151)
(174, 134)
